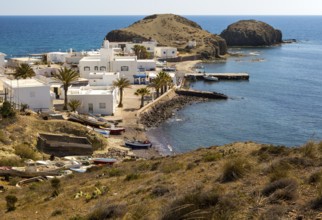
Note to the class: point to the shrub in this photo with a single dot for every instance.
(155, 166)
(235, 169)
(4, 138)
(267, 151)
(308, 149)
(26, 152)
(210, 157)
(56, 212)
(10, 161)
(273, 213)
(101, 211)
(190, 166)
(114, 172)
(279, 170)
(315, 177)
(170, 167)
(132, 176)
(283, 189)
(159, 191)
(55, 184)
(7, 110)
(11, 202)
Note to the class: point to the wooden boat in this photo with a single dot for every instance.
(86, 120)
(210, 78)
(104, 132)
(138, 144)
(115, 130)
(107, 161)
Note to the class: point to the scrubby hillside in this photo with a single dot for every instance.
(172, 30)
(236, 181)
(18, 136)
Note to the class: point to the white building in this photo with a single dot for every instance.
(95, 99)
(165, 52)
(146, 65)
(127, 47)
(57, 57)
(192, 43)
(108, 61)
(2, 61)
(103, 78)
(32, 92)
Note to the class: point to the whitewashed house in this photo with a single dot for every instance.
(57, 57)
(108, 61)
(95, 99)
(146, 65)
(33, 92)
(127, 47)
(165, 52)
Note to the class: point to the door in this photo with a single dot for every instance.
(90, 108)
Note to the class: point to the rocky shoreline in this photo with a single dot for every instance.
(165, 110)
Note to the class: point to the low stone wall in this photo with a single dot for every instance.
(165, 97)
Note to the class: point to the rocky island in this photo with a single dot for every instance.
(251, 33)
(173, 30)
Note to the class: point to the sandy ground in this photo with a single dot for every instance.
(128, 116)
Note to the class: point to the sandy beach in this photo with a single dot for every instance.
(128, 116)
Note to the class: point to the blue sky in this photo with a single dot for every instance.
(146, 7)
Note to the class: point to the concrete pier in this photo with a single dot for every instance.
(221, 76)
(204, 94)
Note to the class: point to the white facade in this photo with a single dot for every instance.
(147, 65)
(103, 78)
(192, 43)
(57, 57)
(153, 75)
(32, 92)
(126, 66)
(165, 52)
(128, 46)
(95, 99)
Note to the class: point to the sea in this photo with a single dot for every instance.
(281, 103)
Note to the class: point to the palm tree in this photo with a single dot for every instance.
(23, 71)
(66, 76)
(156, 84)
(121, 83)
(74, 104)
(141, 52)
(165, 81)
(142, 92)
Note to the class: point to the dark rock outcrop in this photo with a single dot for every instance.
(251, 33)
(172, 30)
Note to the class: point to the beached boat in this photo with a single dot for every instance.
(104, 132)
(107, 161)
(91, 121)
(138, 144)
(210, 78)
(115, 130)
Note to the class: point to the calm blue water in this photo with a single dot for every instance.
(280, 104)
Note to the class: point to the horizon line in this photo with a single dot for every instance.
(167, 13)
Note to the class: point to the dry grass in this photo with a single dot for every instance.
(166, 189)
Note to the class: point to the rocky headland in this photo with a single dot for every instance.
(173, 30)
(251, 33)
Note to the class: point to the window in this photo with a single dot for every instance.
(87, 68)
(172, 52)
(96, 68)
(163, 52)
(32, 94)
(102, 105)
(124, 68)
(102, 68)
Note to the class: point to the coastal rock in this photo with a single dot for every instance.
(251, 33)
(175, 31)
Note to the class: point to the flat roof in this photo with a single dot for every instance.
(146, 61)
(91, 58)
(125, 59)
(23, 83)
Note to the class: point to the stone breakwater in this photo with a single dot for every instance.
(165, 110)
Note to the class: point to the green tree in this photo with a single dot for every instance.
(74, 104)
(7, 110)
(55, 183)
(121, 83)
(156, 84)
(165, 81)
(66, 76)
(142, 92)
(141, 52)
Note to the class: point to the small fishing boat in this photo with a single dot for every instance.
(107, 161)
(86, 120)
(210, 78)
(199, 69)
(115, 130)
(138, 144)
(104, 132)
